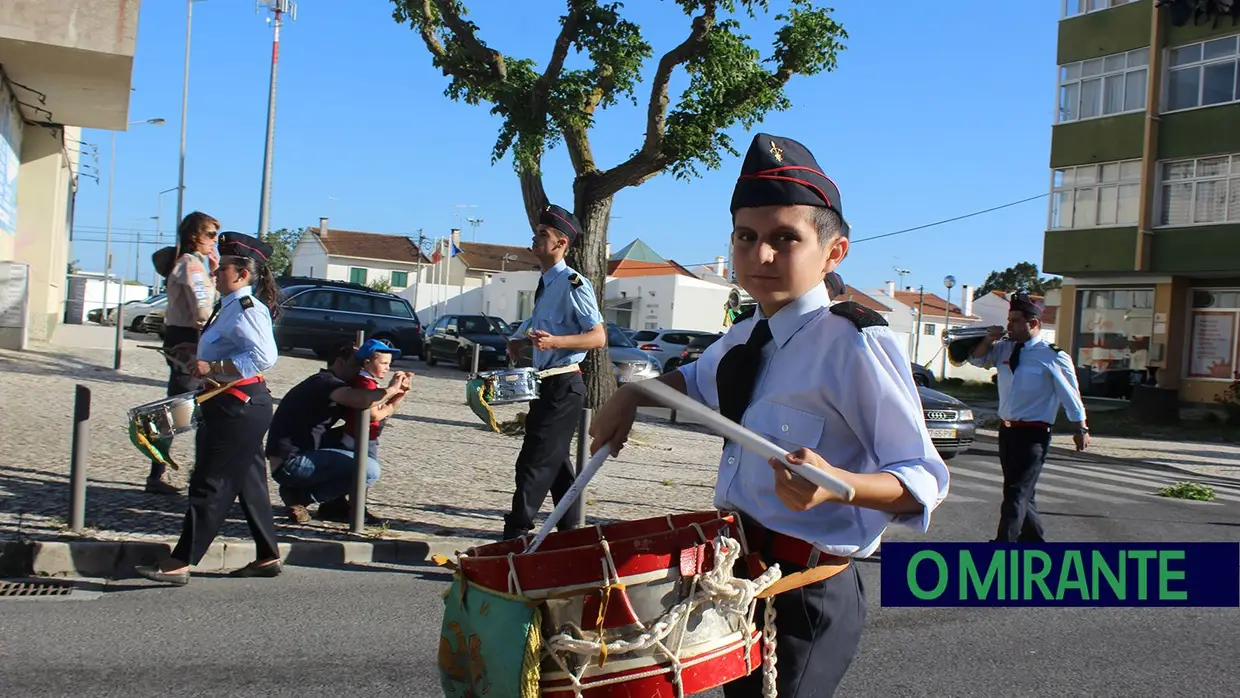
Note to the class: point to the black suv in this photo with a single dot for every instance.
(452, 338)
(318, 314)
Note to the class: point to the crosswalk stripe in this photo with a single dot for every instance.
(1072, 493)
(1152, 482)
(994, 494)
(1159, 475)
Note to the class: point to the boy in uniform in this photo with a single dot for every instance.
(826, 381)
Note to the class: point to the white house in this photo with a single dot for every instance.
(362, 258)
(992, 308)
(922, 318)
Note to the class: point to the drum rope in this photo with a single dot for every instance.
(730, 595)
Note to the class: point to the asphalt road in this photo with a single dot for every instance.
(374, 631)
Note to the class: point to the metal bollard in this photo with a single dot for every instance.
(77, 464)
(577, 515)
(361, 440)
(477, 356)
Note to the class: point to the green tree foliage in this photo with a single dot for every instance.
(282, 242)
(730, 84)
(1022, 277)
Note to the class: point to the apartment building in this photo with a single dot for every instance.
(1144, 220)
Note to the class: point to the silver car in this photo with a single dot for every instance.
(666, 345)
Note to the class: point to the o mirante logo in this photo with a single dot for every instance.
(1061, 574)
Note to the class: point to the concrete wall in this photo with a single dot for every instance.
(46, 188)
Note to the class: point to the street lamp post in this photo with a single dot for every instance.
(159, 236)
(189, 22)
(948, 281)
(107, 264)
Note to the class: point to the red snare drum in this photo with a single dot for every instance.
(637, 577)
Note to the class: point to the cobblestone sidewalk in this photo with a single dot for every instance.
(445, 473)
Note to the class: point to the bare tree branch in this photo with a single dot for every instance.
(464, 33)
(563, 42)
(577, 142)
(648, 161)
(427, 29)
(533, 195)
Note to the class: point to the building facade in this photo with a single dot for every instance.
(64, 66)
(1144, 220)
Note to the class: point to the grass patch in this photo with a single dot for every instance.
(1188, 490)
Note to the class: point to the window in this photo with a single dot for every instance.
(645, 336)
(1103, 86)
(1113, 339)
(318, 300)
(1204, 74)
(1092, 196)
(354, 303)
(928, 329)
(393, 307)
(1214, 334)
(400, 279)
(1205, 190)
(357, 275)
(1073, 8)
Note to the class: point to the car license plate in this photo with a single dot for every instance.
(942, 433)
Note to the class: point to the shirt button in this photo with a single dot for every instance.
(732, 460)
(784, 427)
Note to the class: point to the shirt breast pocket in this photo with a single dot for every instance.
(787, 427)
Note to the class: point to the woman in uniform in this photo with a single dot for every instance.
(236, 346)
(187, 269)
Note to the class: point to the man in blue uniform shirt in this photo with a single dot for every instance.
(1028, 402)
(565, 324)
(827, 382)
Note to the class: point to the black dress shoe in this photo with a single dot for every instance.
(153, 573)
(258, 569)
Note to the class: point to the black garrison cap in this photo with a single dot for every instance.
(1022, 302)
(562, 220)
(779, 171)
(242, 245)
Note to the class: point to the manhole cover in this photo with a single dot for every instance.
(35, 589)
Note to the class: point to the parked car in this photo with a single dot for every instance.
(133, 312)
(950, 422)
(452, 338)
(666, 345)
(153, 322)
(696, 346)
(318, 314)
(922, 376)
(629, 363)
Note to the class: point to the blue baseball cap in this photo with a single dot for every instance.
(370, 346)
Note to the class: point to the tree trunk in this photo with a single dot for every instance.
(589, 256)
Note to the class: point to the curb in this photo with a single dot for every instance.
(117, 559)
(1108, 460)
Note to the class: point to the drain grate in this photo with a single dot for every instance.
(32, 589)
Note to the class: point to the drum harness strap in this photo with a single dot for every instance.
(571, 368)
(731, 595)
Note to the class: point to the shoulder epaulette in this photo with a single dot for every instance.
(575, 280)
(247, 302)
(859, 315)
(1057, 348)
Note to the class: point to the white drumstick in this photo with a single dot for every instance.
(674, 399)
(579, 484)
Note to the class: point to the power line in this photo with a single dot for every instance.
(952, 220)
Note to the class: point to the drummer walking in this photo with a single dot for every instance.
(237, 345)
(565, 324)
(187, 269)
(828, 382)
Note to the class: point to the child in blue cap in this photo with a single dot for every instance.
(376, 357)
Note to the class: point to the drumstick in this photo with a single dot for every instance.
(676, 400)
(178, 362)
(579, 484)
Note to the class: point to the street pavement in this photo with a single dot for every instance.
(374, 630)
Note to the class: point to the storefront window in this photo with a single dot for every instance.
(1212, 337)
(1113, 340)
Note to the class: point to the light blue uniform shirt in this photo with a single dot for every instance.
(564, 308)
(845, 394)
(1044, 378)
(241, 335)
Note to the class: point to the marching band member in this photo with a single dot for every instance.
(1028, 403)
(565, 324)
(191, 296)
(828, 382)
(237, 345)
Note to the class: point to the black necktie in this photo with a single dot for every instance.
(1015, 360)
(538, 291)
(738, 372)
(214, 313)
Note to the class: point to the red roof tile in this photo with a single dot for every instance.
(933, 306)
(353, 243)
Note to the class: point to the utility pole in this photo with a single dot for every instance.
(921, 304)
(901, 273)
(279, 8)
(417, 260)
(189, 24)
(473, 224)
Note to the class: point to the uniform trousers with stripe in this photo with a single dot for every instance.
(544, 464)
(230, 465)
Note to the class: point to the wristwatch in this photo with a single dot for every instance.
(1082, 430)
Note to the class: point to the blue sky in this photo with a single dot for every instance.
(930, 115)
